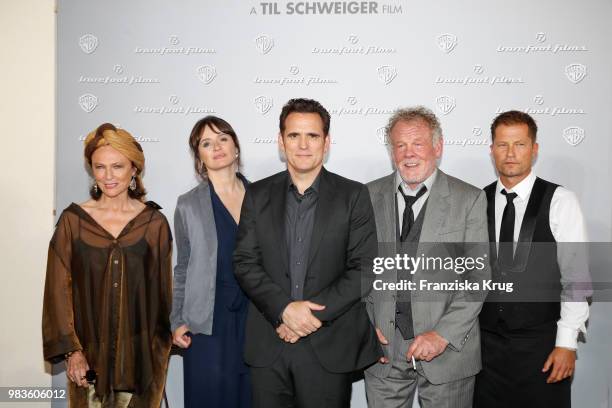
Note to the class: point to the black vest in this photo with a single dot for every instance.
(403, 305)
(534, 272)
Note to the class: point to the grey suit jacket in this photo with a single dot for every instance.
(455, 212)
(196, 268)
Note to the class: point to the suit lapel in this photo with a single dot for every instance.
(490, 190)
(385, 200)
(207, 216)
(322, 214)
(524, 244)
(278, 197)
(438, 208)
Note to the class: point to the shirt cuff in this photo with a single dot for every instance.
(279, 320)
(566, 337)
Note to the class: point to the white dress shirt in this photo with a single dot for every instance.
(418, 204)
(567, 225)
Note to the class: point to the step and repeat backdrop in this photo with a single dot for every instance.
(155, 67)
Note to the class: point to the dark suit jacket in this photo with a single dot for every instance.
(338, 274)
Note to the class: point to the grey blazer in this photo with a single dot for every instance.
(196, 267)
(455, 212)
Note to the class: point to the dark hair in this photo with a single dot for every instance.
(217, 125)
(302, 105)
(514, 117)
(121, 140)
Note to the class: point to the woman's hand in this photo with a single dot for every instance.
(76, 367)
(180, 337)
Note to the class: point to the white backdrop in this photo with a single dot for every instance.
(156, 67)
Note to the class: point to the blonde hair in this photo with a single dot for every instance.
(416, 113)
(122, 141)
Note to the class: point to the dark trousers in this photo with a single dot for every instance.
(512, 376)
(297, 379)
(215, 377)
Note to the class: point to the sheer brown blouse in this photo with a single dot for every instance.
(111, 298)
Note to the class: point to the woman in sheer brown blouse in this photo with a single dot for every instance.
(109, 283)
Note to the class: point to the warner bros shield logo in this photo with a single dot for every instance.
(386, 74)
(264, 44)
(445, 104)
(447, 42)
(206, 73)
(575, 72)
(381, 135)
(88, 43)
(263, 104)
(573, 135)
(88, 102)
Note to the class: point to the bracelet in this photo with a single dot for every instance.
(68, 354)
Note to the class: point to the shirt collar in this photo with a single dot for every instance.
(399, 183)
(313, 187)
(522, 189)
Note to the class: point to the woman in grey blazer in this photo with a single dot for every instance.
(209, 308)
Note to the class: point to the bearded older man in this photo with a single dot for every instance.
(430, 343)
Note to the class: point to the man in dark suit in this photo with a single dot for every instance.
(303, 255)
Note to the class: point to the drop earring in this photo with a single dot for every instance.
(133, 183)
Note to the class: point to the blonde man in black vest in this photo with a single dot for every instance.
(529, 336)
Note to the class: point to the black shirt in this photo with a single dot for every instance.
(299, 221)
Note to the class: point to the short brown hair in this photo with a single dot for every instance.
(217, 125)
(515, 117)
(303, 105)
(121, 140)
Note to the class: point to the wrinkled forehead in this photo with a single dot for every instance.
(411, 130)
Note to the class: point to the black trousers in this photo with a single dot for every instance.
(297, 379)
(512, 376)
